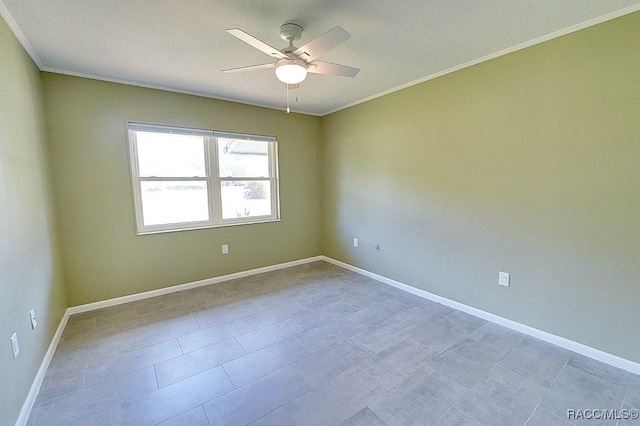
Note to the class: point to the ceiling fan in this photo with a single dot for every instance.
(293, 63)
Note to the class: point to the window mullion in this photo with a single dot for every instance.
(273, 174)
(214, 177)
(207, 165)
(244, 179)
(171, 178)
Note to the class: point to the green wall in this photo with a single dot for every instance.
(103, 258)
(529, 163)
(30, 273)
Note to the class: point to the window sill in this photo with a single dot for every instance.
(195, 228)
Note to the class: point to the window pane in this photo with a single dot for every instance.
(170, 202)
(245, 199)
(170, 155)
(238, 158)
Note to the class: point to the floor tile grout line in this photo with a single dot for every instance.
(133, 350)
(240, 387)
(192, 407)
(290, 337)
(556, 416)
(155, 374)
(284, 366)
(228, 377)
(624, 399)
(243, 348)
(496, 364)
(595, 377)
(249, 322)
(177, 415)
(159, 342)
(206, 415)
(84, 378)
(291, 400)
(464, 412)
(553, 382)
(388, 389)
(626, 395)
(466, 392)
(102, 382)
(602, 378)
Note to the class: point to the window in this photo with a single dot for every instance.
(190, 178)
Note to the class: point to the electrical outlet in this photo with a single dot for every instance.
(14, 345)
(225, 249)
(503, 279)
(34, 321)
(355, 242)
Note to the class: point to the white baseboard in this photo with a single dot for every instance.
(37, 382)
(180, 287)
(585, 350)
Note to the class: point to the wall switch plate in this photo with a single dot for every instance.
(503, 279)
(14, 345)
(355, 242)
(225, 249)
(34, 321)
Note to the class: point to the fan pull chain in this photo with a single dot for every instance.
(288, 109)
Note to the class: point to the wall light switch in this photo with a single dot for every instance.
(14, 345)
(503, 279)
(355, 242)
(34, 321)
(225, 249)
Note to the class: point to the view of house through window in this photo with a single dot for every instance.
(244, 168)
(192, 178)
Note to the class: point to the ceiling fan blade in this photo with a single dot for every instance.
(320, 45)
(319, 67)
(260, 45)
(250, 68)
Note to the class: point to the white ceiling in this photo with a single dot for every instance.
(182, 45)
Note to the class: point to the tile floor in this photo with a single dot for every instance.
(314, 345)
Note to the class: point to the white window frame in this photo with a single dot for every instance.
(212, 178)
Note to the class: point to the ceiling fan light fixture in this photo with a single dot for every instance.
(290, 71)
